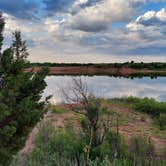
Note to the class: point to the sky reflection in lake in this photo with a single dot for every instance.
(109, 87)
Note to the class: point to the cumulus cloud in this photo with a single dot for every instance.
(150, 18)
(150, 26)
(97, 16)
(151, 29)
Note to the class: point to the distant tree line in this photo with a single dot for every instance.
(132, 64)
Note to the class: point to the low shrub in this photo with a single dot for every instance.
(162, 121)
(142, 149)
(150, 106)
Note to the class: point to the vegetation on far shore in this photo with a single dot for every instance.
(132, 64)
(128, 69)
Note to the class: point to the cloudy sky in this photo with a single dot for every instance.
(89, 30)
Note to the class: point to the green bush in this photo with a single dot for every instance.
(150, 106)
(162, 121)
(117, 146)
(142, 149)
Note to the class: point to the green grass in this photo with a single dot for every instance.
(58, 110)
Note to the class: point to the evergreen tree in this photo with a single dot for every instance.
(2, 23)
(19, 46)
(20, 94)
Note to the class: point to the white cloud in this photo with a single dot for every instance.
(161, 14)
(98, 16)
(52, 25)
(150, 19)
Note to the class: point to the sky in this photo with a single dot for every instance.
(88, 31)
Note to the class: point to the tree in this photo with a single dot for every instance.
(2, 23)
(20, 98)
(19, 46)
(85, 103)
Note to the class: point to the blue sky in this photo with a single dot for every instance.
(89, 30)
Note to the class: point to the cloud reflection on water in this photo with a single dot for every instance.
(109, 87)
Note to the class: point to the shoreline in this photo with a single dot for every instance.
(91, 70)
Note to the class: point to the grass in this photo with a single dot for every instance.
(57, 109)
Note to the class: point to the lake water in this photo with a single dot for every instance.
(109, 87)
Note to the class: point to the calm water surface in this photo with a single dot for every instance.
(109, 87)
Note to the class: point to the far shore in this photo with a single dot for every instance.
(92, 70)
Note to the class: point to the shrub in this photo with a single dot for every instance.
(142, 149)
(162, 121)
(117, 146)
(150, 106)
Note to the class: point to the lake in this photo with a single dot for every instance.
(109, 87)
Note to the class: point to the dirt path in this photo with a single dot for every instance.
(58, 120)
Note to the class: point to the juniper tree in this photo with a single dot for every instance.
(20, 94)
(19, 46)
(2, 23)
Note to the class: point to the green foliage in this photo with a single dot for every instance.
(162, 121)
(150, 106)
(128, 100)
(146, 105)
(57, 110)
(19, 48)
(2, 23)
(117, 145)
(156, 109)
(6, 61)
(143, 152)
(142, 148)
(20, 106)
(132, 64)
